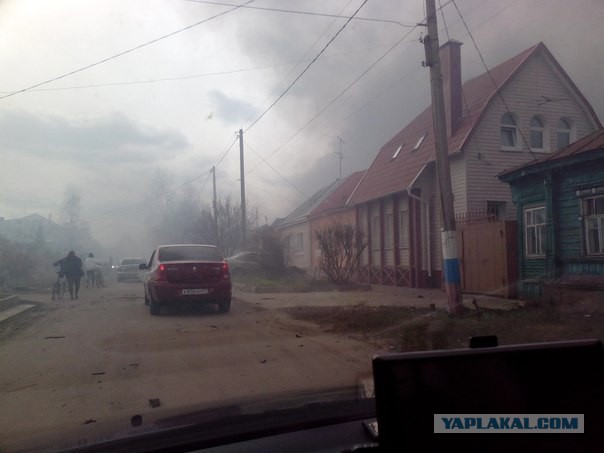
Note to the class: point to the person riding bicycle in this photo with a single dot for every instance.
(90, 264)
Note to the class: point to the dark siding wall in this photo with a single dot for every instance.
(528, 192)
(568, 247)
(568, 205)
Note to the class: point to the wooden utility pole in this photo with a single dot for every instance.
(448, 235)
(214, 204)
(242, 175)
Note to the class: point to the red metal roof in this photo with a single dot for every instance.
(338, 198)
(388, 175)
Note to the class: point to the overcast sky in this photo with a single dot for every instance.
(175, 104)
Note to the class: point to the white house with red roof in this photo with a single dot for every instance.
(518, 111)
(297, 231)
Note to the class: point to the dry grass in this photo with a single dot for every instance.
(408, 329)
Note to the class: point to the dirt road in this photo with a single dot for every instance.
(75, 370)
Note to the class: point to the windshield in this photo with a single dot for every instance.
(133, 261)
(185, 253)
(298, 139)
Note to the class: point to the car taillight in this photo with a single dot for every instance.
(225, 270)
(160, 273)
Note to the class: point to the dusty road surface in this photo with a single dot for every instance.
(80, 370)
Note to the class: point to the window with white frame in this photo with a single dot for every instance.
(593, 215)
(534, 231)
(509, 132)
(403, 229)
(564, 132)
(536, 134)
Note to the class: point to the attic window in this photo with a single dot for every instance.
(419, 142)
(398, 150)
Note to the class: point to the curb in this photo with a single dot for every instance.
(14, 296)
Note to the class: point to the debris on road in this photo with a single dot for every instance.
(89, 421)
(53, 337)
(154, 402)
(98, 373)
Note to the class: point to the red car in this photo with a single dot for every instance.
(186, 273)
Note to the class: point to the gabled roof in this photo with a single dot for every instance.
(590, 147)
(388, 174)
(329, 197)
(336, 199)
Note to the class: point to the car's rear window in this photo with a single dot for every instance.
(132, 261)
(189, 253)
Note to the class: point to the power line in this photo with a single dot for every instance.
(226, 152)
(113, 57)
(350, 85)
(308, 13)
(138, 205)
(299, 60)
(192, 76)
(264, 160)
(307, 67)
(164, 79)
(278, 172)
(497, 88)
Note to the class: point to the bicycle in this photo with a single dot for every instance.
(99, 280)
(60, 286)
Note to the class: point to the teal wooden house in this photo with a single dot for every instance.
(560, 206)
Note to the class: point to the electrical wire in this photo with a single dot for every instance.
(299, 60)
(125, 52)
(278, 172)
(335, 99)
(497, 88)
(306, 69)
(264, 160)
(138, 205)
(193, 76)
(307, 13)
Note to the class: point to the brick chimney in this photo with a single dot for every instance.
(450, 61)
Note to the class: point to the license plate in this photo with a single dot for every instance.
(192, 292)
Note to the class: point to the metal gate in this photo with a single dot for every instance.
(488, 257)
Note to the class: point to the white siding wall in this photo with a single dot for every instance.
(457, 165)
(428, 184)
(389, 232)
(374, 212)
(363, 227)
(299, 258)
(526, 95)
(403, 205)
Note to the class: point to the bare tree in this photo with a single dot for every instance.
(181, 217)
(341, 247)
(70, 209)
(72, 205)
